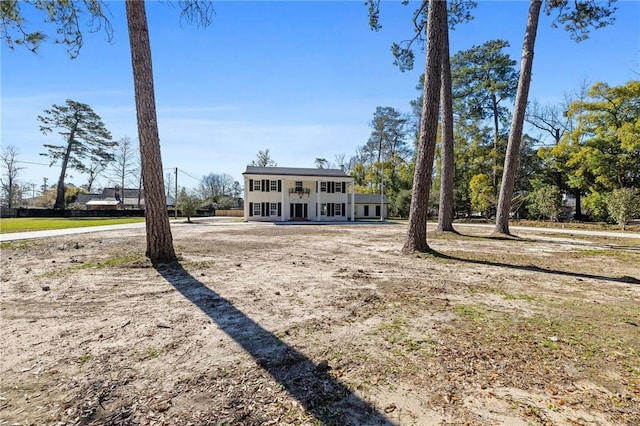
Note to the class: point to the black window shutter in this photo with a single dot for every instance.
(291, 210)
(306, 211)
(279, 185)
(279, 208)
(317, 187)
(268, 185)
(250, 209)
(344, 210)
(265, 209)
(250, 184)
(316, 209)
(344, 187)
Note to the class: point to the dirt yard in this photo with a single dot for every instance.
(263, 324)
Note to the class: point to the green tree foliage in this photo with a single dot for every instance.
(484, 78)
(606, 141)
(482, 194)
(545, 201)
(623, 204)
(383, 162)
(188, 203)
(599, 152)
(86, 140)
(401, 203)
(71, 193)
(578, 17)
(388, 139)
(596, 205)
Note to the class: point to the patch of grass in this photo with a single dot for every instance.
(618, 254)
(26, 224)
(117, 261)
(152, 353)
(575, 332)
(551, 344)
(18, 245)
(471, 312)
(199, 264)
(84, 358)
(129, 260)
(518, 296)
(392, 331)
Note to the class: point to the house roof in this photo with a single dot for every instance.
(369, 199)
(295, 171)
(103, 203)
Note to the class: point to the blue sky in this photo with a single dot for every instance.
(299, 78)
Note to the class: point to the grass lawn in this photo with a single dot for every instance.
(25, 224)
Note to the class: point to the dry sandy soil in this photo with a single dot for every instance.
(261, 324)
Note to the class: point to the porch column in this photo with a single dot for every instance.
(246, 199)
(353, 201)
(285, 208)
(318, 209)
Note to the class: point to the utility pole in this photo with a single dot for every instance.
(382, 196)
(44, 186)
(175, 199)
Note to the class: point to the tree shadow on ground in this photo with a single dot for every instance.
(322, 395)
(533, 268)
(515, 238)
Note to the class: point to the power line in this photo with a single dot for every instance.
(36, 164)
(192, 177)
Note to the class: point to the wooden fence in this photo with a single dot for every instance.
(231, 212)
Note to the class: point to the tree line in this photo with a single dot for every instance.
(588, 149)
(432, 21)
(584, 168)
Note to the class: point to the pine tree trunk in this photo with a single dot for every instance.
(515, 136)
(445, 212)
(496, 137)
(417, 228)
(60, 189)
(159, 239)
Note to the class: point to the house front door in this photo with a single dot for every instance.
(299, 210)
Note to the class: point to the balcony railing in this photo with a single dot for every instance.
(300, 191)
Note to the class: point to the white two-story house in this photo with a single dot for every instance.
(297, 194)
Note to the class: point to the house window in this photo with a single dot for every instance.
(338, 186)
(323, 186)
(273, 210)
(274, 186)
(323, 210)
(256, 185)
(298, 185)
(338, 209)
(377, 210)
(257, 211)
